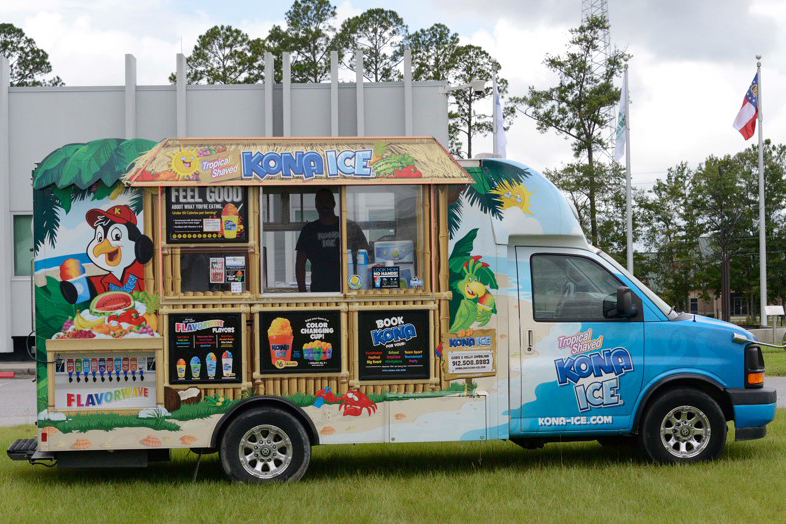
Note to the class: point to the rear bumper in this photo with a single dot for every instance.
(753, 410)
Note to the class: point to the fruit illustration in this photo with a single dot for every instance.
(111, 302)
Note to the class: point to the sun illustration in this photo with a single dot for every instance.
(514, 196)
(184, 162)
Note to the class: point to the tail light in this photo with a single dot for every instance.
(754, 367)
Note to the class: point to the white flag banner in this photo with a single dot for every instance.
(622, 123)
(500, 141)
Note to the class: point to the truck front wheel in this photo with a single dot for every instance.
(683, 425)
(265, 445)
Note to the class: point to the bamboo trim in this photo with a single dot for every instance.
(343, 235)
(254, 273)
(160, 239)
(392, 307)
(148, 217)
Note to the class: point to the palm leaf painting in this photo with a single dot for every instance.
(487, 179)
(76, 172)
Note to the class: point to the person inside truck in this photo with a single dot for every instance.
(320, 243)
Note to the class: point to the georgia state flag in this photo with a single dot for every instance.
(745, 122)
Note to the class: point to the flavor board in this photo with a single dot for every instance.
(203, 215)
(205, 348)
(394, 345)
(300, 342)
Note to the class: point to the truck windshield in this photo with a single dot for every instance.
(663, 306)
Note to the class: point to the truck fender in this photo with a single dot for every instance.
(264, 400)
(707, 384)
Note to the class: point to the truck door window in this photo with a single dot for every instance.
(570, 289)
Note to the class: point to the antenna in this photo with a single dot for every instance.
(600, 8)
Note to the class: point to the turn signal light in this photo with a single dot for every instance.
(755, 378)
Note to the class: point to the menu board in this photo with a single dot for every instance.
(300, 341)
(205, 348)
(394, 345)
(202, 215)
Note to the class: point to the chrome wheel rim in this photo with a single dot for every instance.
(685, 432)
(265, 451)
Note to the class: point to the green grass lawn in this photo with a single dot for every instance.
(459, 482)
(774, 361)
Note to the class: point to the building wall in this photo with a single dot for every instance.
(36, 121)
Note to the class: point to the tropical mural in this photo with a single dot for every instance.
(496, 188)
(88, 245)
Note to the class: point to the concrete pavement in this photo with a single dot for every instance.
(17, 401)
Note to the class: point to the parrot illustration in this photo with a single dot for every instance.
(477, 304)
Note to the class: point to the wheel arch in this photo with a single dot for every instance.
(259, 401)
(703, 383)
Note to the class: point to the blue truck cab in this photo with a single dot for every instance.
(601, 355)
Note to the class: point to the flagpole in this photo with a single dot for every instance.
(762, 225)
(628, 196)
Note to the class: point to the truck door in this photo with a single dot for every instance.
(581, 364)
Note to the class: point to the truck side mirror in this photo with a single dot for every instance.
(625, 306)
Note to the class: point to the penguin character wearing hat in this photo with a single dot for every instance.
(117, 247)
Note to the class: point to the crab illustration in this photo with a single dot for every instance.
(352, 403)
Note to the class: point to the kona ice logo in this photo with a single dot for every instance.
(307, 164)
(391, 330)
(581, 370)
(581, 342)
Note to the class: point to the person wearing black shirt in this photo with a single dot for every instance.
(320, 243)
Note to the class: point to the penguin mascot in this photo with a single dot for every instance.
(119, 248)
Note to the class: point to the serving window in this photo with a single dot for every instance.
(390, 218)
(301, 240)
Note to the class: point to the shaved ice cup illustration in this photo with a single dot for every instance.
(181, 369)
(210, 360)
(229, 221)
(196, 368)
(72, 270)
(279, 335)
(226, 364)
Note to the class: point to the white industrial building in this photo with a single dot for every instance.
(34, 121)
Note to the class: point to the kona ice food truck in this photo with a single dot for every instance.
(257, 297)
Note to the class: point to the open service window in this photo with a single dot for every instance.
(390, 219)
(301, 240)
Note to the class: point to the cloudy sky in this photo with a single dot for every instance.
(692, 60)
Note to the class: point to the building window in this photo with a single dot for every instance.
(386, 254)
(23, 245)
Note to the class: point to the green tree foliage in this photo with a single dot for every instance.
(28, 63)
(573, 180)
(466, 118)
(576, 107)
(378, 33)
(434, 51)
(225, 55)
(701, 229)
(309, 35)
(671, 236)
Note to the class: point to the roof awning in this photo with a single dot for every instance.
(299, 161)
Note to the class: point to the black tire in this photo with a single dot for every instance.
(279, 434)
(693, 423)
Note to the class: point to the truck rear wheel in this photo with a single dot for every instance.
(683, 425)
(265, 445)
